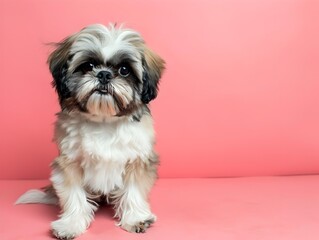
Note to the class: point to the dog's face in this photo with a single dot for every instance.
(105, 71)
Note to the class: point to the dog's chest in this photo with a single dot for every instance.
(104, 149)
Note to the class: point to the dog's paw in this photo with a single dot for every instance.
(139, 227)
(66, 230)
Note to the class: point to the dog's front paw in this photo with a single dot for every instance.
(139, 227)
(66, 229)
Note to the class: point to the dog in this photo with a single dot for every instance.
(104, 76)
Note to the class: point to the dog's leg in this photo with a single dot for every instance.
(77, 211)
(131, 201)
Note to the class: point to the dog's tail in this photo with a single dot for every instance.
(46, 196)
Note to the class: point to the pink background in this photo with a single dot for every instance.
(240, 95)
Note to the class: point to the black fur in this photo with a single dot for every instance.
(150, 84)
(58, 64)
(149, 91)
(59, 82)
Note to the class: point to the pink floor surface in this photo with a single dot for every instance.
(261, 208)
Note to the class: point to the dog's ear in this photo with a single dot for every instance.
(58, 64)
(153, 69)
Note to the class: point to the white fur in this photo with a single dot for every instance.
(105, 148)
(107, 142)
(102, 149)
(133, 207)
(78, 212)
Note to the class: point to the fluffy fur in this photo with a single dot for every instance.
(104, 77)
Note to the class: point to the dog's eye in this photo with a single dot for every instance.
(86, 67)
(124, 70)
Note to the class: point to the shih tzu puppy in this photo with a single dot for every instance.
(104, 77)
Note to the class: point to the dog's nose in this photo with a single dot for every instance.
(104, 77)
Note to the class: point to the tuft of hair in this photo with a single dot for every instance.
(37, 196)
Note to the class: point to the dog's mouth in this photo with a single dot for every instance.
(103, 90)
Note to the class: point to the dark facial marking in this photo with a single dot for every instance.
(87, 66)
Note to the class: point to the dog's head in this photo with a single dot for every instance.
(105, 71)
